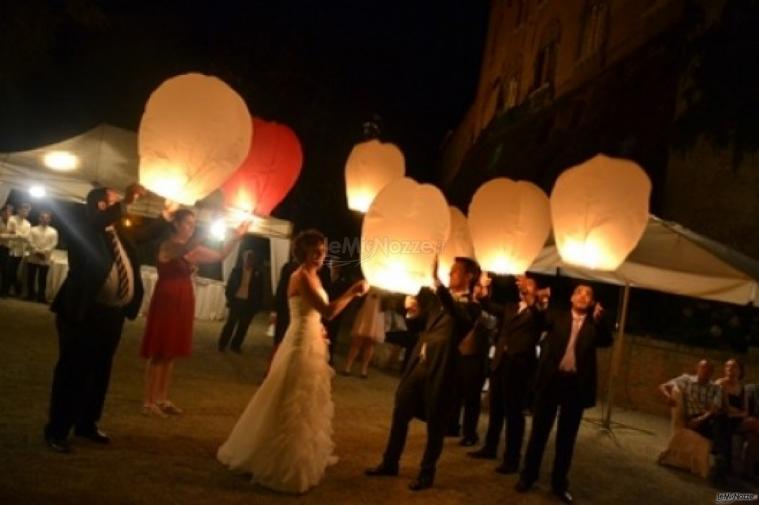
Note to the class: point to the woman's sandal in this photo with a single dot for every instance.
(169, 408)
(151, 409)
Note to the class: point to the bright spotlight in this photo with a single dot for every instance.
(62, 161)
(219, 229)
(37, 191)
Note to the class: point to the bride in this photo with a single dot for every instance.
(284, 436)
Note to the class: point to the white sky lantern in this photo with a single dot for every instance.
(459, 244)
(370, 167)
(195, 132)
(509, 222)
(404, 229)
(600, 210)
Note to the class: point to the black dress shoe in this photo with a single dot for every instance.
(469, 441)
(237, 350)
(95, 435)
(522, 486)
(483, 453)
(382, 470)
(60, 445)
(564, 496)
(507, 469)
(424, 481)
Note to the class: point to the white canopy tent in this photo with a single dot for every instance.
(671, 259)
(107, 156)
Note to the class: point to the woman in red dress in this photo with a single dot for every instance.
(168, 331)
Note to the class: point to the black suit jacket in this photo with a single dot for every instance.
(255, 288)
(282, 306)
(519, 332)
(443, 323)
(91, 256)
(593, 334)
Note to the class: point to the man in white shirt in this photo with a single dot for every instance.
(565, 383)
(43, 240)
(17, 234)
(5, 216)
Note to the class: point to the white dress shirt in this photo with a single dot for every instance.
(17, 234)
(42, 243)
(109, 293)
(568, 362)
(3, 232)
(242, 291)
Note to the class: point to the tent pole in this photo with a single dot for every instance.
(616, 358)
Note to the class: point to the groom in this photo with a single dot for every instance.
(446, 318)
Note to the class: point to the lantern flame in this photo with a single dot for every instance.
(360, 200)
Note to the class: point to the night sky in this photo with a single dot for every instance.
(321, 67)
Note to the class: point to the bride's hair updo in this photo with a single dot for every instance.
(304, 241)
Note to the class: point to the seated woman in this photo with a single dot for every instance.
(734, 400)
(735, 405)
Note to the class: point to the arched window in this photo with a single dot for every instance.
(545, 59)
(594, 26)
(521, 14)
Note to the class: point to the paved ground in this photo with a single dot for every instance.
(172, 460)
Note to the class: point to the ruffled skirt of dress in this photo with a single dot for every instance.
(284, 436)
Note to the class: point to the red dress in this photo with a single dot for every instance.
(168, 331)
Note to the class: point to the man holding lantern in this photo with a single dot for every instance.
(103, 287)
(444, 317)
(513, 369)
(566, 381)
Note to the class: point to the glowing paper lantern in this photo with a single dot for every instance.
(268, 173)
(600, 210)
(370, 167)
(509, 222)
(459, 244)
(403, 231)
(195, 132)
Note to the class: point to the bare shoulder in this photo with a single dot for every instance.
(295, 282)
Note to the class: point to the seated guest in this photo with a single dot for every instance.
(750, 429)
(703, 406)
(735, 405)
(734, 399)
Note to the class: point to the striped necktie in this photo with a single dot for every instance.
(120, 267)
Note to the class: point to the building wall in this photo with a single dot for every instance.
(647, 363)
(513, 47)
(704, 192)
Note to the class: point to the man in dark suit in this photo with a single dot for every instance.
(512, 370)
(102, 288)
(245, 294)
(281, 315)
(471, 372)
(566, 381)
(446, 316)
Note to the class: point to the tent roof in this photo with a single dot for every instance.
(672, 259)
(107, 157)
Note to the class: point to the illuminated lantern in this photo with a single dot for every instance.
(600, 210)
(195, 132)
(403, 231)
(509, 222)
(268, 173)
(370, 167)
(459, 244)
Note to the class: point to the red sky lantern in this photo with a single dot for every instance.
(268, 173)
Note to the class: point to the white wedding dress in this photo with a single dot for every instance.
(284, 436)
